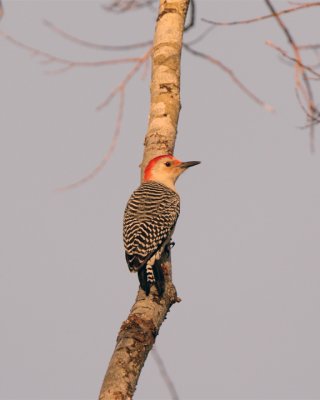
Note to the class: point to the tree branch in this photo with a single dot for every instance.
(164, 374)
(49, 59)
(227, 70)
(121, 6)
(91, 45)
(135, 339)
(294, 60)
(121, 90)
(165, 82)
(302, 86)
(137, 334)
(108, 153)
(191, 22)
(263, 17)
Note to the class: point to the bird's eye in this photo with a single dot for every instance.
(167, 164)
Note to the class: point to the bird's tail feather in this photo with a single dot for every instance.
(152, 274)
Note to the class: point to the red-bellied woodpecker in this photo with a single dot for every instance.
(150, 218)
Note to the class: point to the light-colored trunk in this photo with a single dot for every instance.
(165, 81)
(138, 332)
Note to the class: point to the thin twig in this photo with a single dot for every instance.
(192, 9)
(121, 90)
(51, 59)
(309, 47)
(120, 6)
(125, 81)
(67, 65)
(294, 60)
(96, 46)
(201, 36)
(109, 152)
(263, 17)
(163, 372)
(145, 70)
(305, 89)
(314, 119)
(236, 80)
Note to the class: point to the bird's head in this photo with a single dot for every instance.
(166, 170)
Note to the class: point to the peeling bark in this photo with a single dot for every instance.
(137, 334)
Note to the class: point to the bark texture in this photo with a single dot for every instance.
(165, 81)
(135, 339)
(137, 334)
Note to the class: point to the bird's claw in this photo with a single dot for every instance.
(169, 247)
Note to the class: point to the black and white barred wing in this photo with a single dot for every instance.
(149, 220)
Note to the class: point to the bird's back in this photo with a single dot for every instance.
(150, 216)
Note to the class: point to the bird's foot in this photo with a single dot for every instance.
(169, 247)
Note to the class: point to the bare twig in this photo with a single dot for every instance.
(232, 75)
(120, 6)
(125, 81)
(309, 47)
(48, 58)
(96, 46)
(192, 9)
(121, 90)
(109, 152)
(145, 70)
(201, 36)
(302, 84)
(294, 60)
(263, 17)
(305, 87)
(313, 119)
(165, 376)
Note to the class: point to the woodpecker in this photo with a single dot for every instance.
(150, 218)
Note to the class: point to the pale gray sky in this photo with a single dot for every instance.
(247, 254)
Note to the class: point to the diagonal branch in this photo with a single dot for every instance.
(109, 152)
(96, 46)
(48, 58)
(120, 89)
(165, 82)
(121, 6)
(192, 9)
(66, 65)
(303, 86)
(263, 17)
(164, 374)
(309, 47)
(125, 81)
(137, 334)
(231, 74)
(201, 36)
(294, 60)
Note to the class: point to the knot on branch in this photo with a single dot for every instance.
(168, 87)
(138, 329)
(172, 295)
(167, 11)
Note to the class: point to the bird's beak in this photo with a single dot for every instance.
(188, 164)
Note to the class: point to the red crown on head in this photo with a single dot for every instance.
(151, 164)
